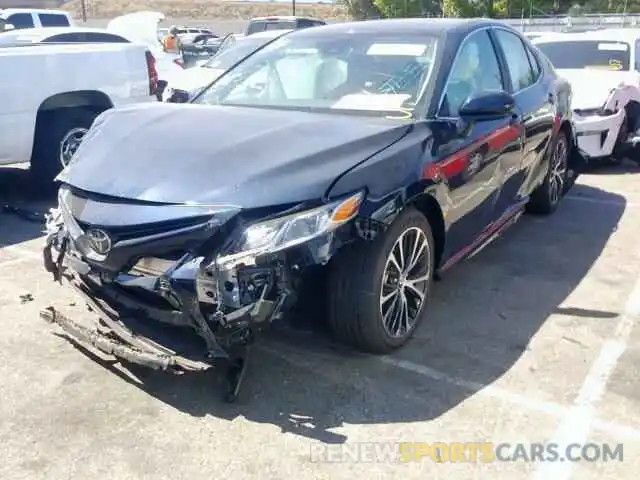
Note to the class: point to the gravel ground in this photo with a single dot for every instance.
(535, 339)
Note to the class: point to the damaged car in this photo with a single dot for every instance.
(379, 153)
(604, 71)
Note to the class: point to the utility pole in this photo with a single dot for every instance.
(293, 7)
(83, 5)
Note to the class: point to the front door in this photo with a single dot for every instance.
(470, 153)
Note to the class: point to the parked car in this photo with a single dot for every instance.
(260, 24)
(60, 35)
(141, 27)
(43, 122)
(381, 152)
(19, 18)
(193, 80)
(197, 47)
(603, 67)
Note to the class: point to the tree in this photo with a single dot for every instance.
(408, 8)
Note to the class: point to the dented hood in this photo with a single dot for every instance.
(249, 157)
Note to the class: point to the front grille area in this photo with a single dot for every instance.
(129, 232)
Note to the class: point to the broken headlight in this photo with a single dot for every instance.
(284, 232)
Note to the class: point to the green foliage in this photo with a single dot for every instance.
(499, 8)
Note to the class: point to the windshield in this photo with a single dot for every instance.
(235, 52)
(607, 55)
(316, 72)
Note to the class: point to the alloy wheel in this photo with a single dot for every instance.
(558, 172)
(70, 144)
(405, 281)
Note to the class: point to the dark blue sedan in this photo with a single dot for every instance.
(379, 152)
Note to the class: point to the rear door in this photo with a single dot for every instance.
(535, 99)
(471, 152)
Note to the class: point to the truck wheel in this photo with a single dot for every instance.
(57, 139)
(377, 291)
(545, 199)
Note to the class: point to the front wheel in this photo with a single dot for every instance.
(545, 199)
(378, 291)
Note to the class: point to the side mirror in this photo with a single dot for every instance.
(488, 104)
(179, 96)
(8, 26)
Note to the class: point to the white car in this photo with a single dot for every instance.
(51, 95)
(603, 68)
(19, 18)
(142, 27)
(192, 80)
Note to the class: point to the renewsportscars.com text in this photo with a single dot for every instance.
(457, 452)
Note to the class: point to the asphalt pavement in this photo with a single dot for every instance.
(533, 340)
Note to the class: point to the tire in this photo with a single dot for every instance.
(355, 286)
(546, 198)
(57, 130)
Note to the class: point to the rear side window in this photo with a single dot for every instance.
(65, 38)
(53, 20)
(21, 20)
(304, 23)
(263, 25)
(535, 65)
(592, 54)
(96, 37)
(518, 63)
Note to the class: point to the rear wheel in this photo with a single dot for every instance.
(545, 199)
(378, 291)
(58, 137)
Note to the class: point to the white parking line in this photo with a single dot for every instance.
(549, 408)
(577, 425)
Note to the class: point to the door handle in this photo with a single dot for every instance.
(551, 97)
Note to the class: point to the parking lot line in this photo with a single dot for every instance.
(577, 425)
(549, 408)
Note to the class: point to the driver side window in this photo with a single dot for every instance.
(475, 69)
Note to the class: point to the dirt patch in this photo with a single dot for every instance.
(198, 10)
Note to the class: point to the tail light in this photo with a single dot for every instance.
(153, 73)
(179, 62)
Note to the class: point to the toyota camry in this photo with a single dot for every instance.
(379, 152)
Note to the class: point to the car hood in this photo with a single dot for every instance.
(594, 92)
(195, 78)
(248, 157)
(138, 27)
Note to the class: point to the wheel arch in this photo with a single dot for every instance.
(428, 205)
(89, 99)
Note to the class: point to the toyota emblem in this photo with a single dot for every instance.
(99, 241)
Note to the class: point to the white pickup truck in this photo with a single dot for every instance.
(52, 93)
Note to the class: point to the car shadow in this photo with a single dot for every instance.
(480, 320)
(626, 167)
(22, 206)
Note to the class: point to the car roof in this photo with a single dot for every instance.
(267, 34)
(280, 17)
(44, 32)
(608, 34)
(9, 11)
(428, 26)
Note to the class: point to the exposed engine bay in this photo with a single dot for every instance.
(191, 268)
(611, 131)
